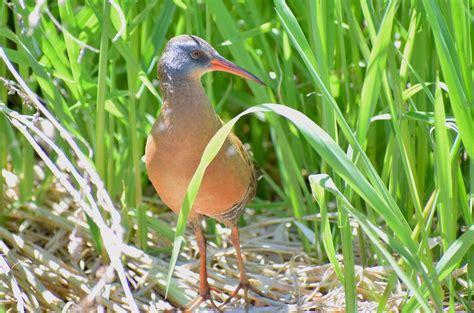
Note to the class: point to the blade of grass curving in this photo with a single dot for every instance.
(301, 44)
(448, 262)
(328, 240)
(388, 290)
(455, 253)
(296, 34)
(328, 149)
(341, 164)
(373, 233)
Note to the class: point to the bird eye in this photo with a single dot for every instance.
(196, 54)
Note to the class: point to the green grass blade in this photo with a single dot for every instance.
(448, 262)
(301, 44)
(373, 233)
(100, 132)
(375, 70)
(452, 68)
(327, 148)
(328, 240)
(447, 211)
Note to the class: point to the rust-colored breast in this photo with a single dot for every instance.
(173, 151)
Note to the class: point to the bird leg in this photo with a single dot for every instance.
(244, 281)
(204, 288)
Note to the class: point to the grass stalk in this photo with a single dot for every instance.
(134, 181)
(100, 131)
(3, 166)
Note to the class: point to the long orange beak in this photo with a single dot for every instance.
(220, 64)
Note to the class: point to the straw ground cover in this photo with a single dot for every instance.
(366, 196)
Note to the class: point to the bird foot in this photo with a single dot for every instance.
(246, 286)
(203, 297)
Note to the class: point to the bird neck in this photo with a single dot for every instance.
(184, 99)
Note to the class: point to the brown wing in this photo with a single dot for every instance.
(231, 217)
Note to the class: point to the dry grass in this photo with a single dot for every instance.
(48, 262)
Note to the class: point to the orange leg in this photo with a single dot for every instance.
(244, 281)
(204, 288)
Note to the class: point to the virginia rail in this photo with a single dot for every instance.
(177, 140)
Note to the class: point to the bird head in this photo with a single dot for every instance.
(189, 56)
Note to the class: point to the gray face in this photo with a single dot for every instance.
(186, 56)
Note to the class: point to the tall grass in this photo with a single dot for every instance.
(388, 82)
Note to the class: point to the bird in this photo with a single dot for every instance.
(186, 123)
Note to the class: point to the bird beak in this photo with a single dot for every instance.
(218, 63)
